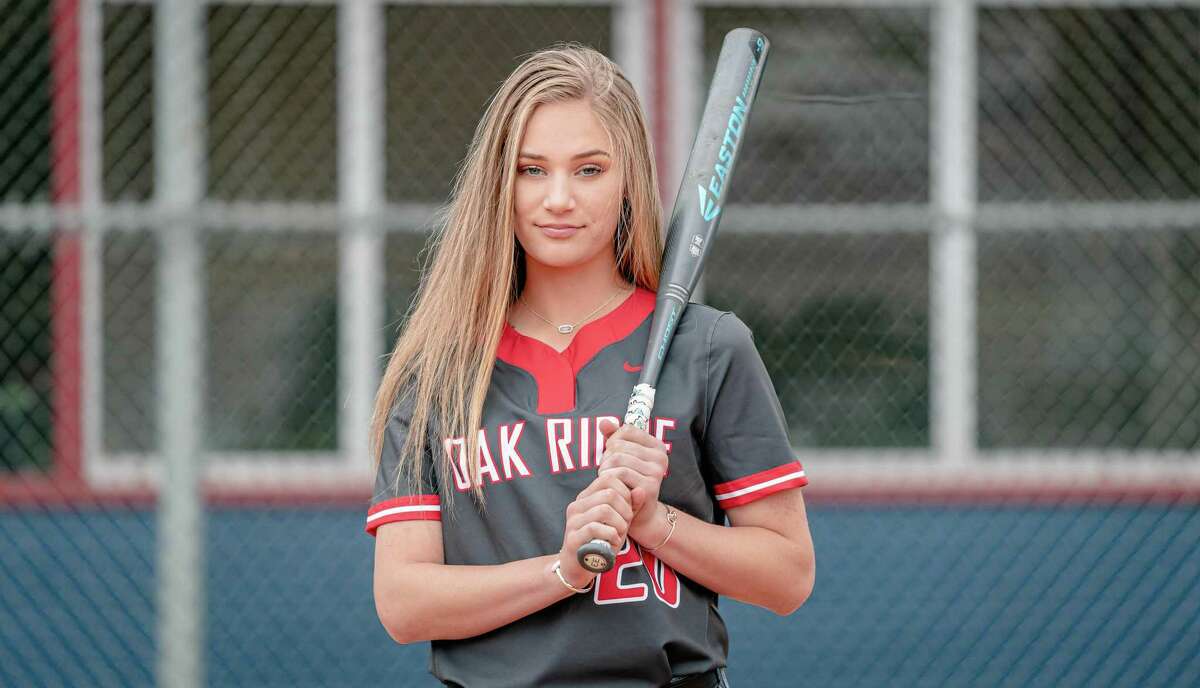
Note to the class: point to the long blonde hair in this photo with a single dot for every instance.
(442, 364)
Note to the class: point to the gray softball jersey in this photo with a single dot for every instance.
(717, 413)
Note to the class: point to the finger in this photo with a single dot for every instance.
(619, 489)
(648, 468)
(658, 458)
(625, 431)
(601, 513)
(635, 435)
(618, 513)
(607, 500)
(632, 432)
(624, 446)
(631, 478)
(607, 520)
(601, 482)
(623, 506)
(601, 531)
(600, 485)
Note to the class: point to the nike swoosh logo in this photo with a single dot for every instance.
(631, 368)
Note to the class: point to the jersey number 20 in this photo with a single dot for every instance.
(610, 589)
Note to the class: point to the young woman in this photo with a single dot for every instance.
(496, 423)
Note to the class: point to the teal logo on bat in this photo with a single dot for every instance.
(708, 207)
(666, 338)
(709, 196)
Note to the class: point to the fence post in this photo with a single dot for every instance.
(361, 142)
(952, 252)
(180, 181)
(680, 63)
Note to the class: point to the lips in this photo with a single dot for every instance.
(558, 231)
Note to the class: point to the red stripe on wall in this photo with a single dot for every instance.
(64, 480)
(65, 99)
(660, 104)
(66, 360)
(66, 317)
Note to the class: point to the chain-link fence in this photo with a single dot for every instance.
(965, 235)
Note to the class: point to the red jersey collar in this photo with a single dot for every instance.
(555, 372)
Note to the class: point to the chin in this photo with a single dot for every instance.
(559, 259)
(563, 256)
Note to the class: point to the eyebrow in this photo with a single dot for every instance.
(588, 154)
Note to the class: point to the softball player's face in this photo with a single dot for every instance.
(568, 187)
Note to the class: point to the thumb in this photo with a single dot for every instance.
(607, 427)
(637, 498)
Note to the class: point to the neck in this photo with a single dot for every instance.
(564, 295)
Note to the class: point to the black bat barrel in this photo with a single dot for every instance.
(700, 203)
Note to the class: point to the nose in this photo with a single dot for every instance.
(558, 195)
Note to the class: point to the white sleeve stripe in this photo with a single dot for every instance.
(403, 510)
(761, 486)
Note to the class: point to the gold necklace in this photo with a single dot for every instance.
(567, 328)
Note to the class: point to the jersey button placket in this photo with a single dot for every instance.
(557, 393)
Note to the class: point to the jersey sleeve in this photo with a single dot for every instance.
(746, 444)
(396, 496)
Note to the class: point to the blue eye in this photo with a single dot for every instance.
(588, 170)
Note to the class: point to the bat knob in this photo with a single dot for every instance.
(596, 556)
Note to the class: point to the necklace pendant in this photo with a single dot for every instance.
(566, 329)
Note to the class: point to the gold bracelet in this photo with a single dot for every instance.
(672, 516)
(558, 570)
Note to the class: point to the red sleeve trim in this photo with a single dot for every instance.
(758, 485)
(415, 508)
